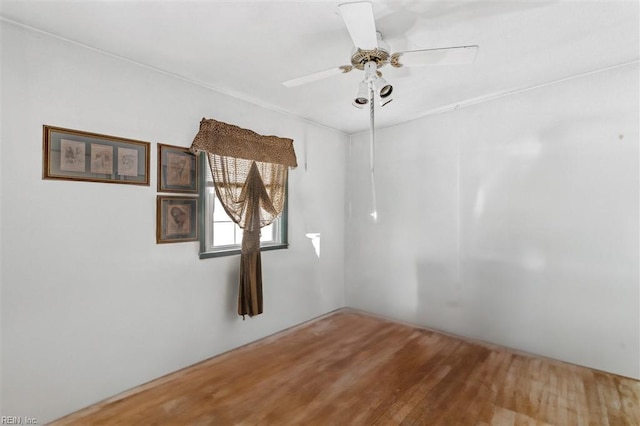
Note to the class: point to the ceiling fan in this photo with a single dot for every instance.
(371, 53)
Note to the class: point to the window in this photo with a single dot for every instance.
(220, 236)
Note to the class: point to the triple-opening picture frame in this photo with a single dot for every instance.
(70, 154)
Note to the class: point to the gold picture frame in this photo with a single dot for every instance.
(92, 157)
(178, 169)
(176, 219)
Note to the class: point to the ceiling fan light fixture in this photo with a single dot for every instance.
(358, 104)
(362, 98)
(383, 89)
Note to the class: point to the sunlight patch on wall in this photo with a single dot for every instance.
(315, 241)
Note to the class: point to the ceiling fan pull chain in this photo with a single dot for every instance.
(372, 154)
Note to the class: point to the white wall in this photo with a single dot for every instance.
(1, 226)
(91, 306)
(514, 221)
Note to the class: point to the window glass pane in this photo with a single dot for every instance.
(223, 233)
(218, 212)
(267, 233)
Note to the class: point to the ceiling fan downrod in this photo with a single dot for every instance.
(372, 151)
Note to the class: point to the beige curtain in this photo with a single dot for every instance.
(250, 175)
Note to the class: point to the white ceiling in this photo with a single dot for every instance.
(247, 48)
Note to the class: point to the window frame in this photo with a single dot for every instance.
(234, 249)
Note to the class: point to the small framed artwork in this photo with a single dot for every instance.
(76, 155)
(177, 219)
(177, 169)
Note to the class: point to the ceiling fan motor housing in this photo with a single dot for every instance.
(360, 57)
(380, 55)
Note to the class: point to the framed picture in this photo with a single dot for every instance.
(177, 219)
(75, 155)
(177, 169)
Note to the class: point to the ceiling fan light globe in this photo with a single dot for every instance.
(385, 91)
(362, 97)
(359, 103)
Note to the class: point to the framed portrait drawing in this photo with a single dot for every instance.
(177, 219)
(76, 155)
(177, 170)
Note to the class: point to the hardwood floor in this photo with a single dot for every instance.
(350, 368)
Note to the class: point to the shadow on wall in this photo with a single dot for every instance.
(470, 292)
(231, 285)
(488, 305)
(440, 304)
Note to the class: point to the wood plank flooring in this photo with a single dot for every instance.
(350, 368)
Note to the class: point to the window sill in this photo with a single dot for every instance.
(233, 251)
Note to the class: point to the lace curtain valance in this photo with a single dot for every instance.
(250, 175)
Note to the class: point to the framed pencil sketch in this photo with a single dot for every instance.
(177, 169)
(91, 157)
(177, 219)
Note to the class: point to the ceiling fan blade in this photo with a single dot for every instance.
(441, 56)
(358, 17)
(310, 78)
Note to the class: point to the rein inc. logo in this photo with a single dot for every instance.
(18, 420)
